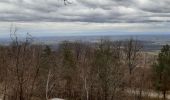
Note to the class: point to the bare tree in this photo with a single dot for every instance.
(23, 68)
(131, 50)
(108, 64)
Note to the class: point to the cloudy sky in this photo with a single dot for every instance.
(85, 17)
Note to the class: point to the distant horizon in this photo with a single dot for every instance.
(91, 34)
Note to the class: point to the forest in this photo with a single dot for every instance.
(106, 70)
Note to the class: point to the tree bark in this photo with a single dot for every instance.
(164, 95)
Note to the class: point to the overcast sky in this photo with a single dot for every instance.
(85, 17)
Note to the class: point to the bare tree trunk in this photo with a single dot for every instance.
(47, 85)
(164, 95)
(86, 89)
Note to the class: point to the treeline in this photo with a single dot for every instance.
(108, 70)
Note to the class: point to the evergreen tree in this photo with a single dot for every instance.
(161, 71)
(47, 50)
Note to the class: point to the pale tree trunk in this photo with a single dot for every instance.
(47, 85)
(86, 89)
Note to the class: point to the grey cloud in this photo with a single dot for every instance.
(96, 11)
